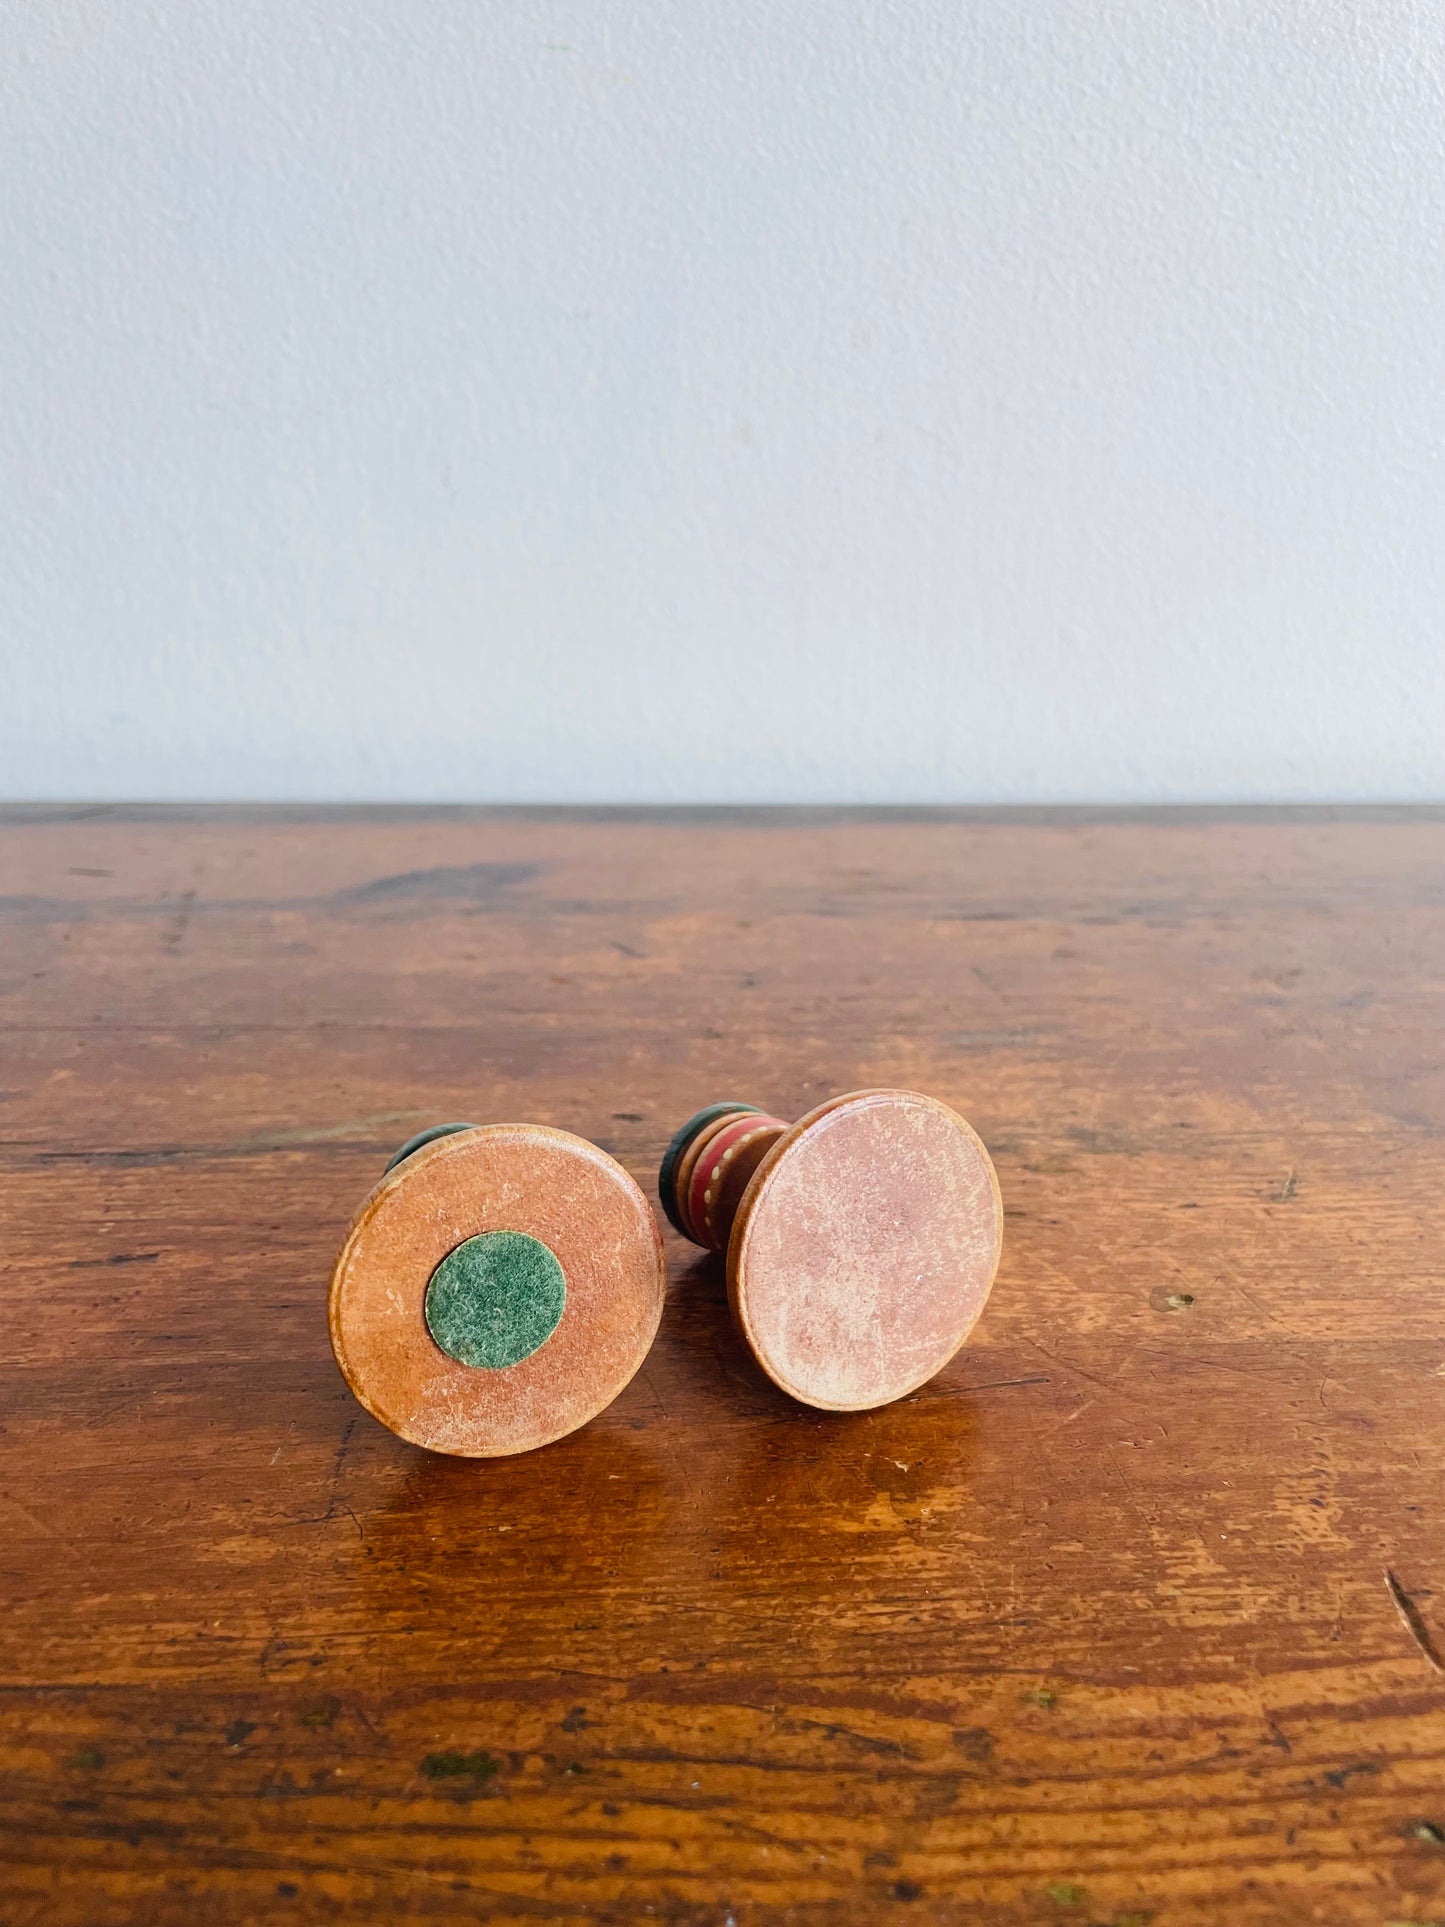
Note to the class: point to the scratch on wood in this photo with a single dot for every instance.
(39, 1524)
(1414, 1623)
(1002, 1384)
(995, 1385)
(645, 1379)
(335, 1498)
(335, 1504)
(1076, 1371)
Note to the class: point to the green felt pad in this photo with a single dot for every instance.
(495, 1299)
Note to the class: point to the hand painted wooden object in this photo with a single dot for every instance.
(497, 1289)
(861, 1242)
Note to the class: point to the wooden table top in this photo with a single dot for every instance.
(1136, 1613)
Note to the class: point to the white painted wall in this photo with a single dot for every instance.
(722, 399)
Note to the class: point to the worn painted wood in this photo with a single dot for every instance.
(569, 1209)
(1135, 1613)
(861, 1241)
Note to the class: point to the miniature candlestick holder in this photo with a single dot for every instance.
(497, 1289)
(861, 1242)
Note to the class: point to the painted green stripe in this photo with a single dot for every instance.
(672, 1156)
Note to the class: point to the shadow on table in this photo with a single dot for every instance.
(703, 1487)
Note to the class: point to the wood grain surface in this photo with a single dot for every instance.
(1135, 1614)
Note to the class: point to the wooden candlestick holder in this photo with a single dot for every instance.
(497, 1289)
(861, 1242)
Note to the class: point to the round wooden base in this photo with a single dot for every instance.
(864, 1248)
(548, 1185)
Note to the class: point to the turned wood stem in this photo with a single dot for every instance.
(708, 1166)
